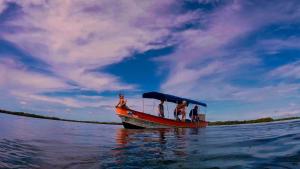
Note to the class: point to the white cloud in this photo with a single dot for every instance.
(274, 45)
(267, 92)
(74, 37)
(68, 102)
(15, 76)
(208, 60)
(202, 54)
(2, 5)
(77, 36)
(290, 71)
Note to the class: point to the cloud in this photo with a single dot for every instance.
(65, 101)
(208, 61)
(274, 45)
(14, 76)
(75, 37)
(287, 71)
(202, 53)
(288, 111)
(267, 92)
(2, 6)
(212, 71)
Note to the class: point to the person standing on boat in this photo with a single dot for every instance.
(194, 114)
(177, 111)
(180, 110)
(122, 101)
(183, 110)
(161, 110)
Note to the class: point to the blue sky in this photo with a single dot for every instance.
(71, 58)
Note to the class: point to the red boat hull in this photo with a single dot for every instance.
(134, 119)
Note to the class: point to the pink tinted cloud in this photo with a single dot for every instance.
(75, 37)
(68, 102)
(273, 46)
(2, 6)
(14, 75)
(288, 71)
(201, 49)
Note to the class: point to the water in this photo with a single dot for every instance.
(37, 143)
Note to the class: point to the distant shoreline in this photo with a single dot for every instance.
(261, 120)
(53, 118)
(215, 123)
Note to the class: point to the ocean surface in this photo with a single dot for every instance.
(38, 143)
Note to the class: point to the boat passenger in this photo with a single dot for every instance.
(177, 112)
(122, 101)
(194, 114)
(161, 112)
(183, 110)
(180, 110)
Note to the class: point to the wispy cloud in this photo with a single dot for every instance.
(288, 71)
(205, 62)
(74, 37)
(273, 46)
(75, 102)
(14, 76)
(2, 6)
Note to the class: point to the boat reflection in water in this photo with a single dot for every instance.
(135, 148)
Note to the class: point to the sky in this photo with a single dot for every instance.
(71, 58)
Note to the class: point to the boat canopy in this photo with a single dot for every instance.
(170, 98)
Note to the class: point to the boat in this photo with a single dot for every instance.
(133, 119)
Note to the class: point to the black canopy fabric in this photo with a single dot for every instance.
(170, 98)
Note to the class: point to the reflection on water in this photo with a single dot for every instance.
(123, 136)
(36, 143)
(153, 147)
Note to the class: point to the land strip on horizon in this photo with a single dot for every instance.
(215, 123)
